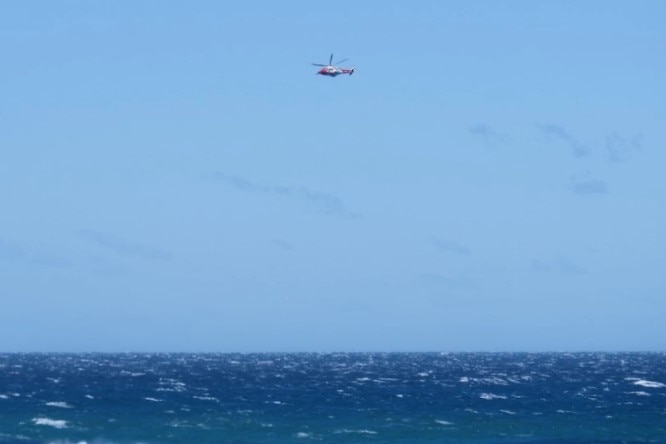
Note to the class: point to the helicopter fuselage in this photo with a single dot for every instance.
(334, 71)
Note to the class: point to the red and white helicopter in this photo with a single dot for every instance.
(332, 70)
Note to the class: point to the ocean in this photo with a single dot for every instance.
(333, 398)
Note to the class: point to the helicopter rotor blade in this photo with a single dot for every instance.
(319, 64)
(330, 60)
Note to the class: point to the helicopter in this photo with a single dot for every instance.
(332, 70)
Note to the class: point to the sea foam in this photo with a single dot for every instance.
(649, 384)
(57, 423)
(60, 404)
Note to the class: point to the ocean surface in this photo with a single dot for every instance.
(333, 398)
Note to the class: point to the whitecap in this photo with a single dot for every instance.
(57, 423)
(494, 380)
(361, 431)
(443, 422)
(491, 396)
(153, 399)
(639, 393)
(67, 442)
(60, 404)
(649, 384)
(131, 374)
(206, 398)
(4, 397)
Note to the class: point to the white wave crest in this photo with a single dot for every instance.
(73, 442)
(639, 393)
(491, 396)
(95, 441)
(649, 384)
(131, 374)
(206, 398)
(57, 423)
(361, 431)
(60, 404)
(493, 380)
(443, 422)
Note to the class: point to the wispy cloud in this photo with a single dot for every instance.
(560, 264)
(237, 182)
(9, 251)
(123, 247)
(588, 186)
(283, 244)
(488, 134)
(51, 262)
(436, 280)
(620, 149)
(103, 267)
(324, 202)
(450, 246)
(560, 133)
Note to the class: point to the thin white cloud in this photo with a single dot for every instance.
(588, 186)
(559, 264)
(450, 246)
(488, 134)
(283, 244)
(620, 149)
(560, 133)
(123, 247)
(324, 202)
(10, 251)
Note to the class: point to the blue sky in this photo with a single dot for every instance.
(175, 177)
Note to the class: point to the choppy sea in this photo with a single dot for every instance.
(333, 398)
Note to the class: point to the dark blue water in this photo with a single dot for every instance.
(333, 398)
